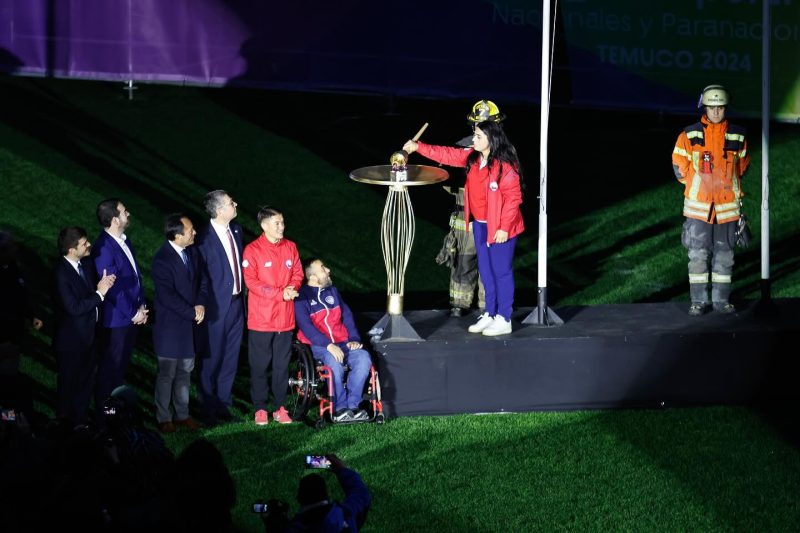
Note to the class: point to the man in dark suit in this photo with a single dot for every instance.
(124, 307)
(78, 296)
(180, 295)
(220, 248)
(17, 314)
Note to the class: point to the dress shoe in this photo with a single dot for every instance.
(227, 416)
(209, 420)
(166, 427)
(189, 423)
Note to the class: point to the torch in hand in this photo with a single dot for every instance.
(399, 159)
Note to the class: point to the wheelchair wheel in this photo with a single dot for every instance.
(302, 382)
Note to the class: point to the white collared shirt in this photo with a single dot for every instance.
(73, 263)
(222, 233)
(178, 249)
(122, 244)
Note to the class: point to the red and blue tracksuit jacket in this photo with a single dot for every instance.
(323, 318)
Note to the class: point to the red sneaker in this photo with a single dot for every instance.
(261, 418)
(281, 416)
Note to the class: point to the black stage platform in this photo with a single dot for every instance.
(633, 355)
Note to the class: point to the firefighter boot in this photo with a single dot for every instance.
(699, 295)
(720, 293)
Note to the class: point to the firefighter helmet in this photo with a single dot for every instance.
(484, 110)
(714, 95)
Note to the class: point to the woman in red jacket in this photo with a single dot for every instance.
(493, 196)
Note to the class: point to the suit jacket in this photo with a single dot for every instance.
(218, 270)
(177, 290)
(16, 307)
(77, 305)
(124, 298)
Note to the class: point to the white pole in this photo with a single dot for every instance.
(542, 315)
(765, 115)
(543, 131)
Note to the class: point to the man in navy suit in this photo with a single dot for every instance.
(124, 305)
(78, 296)
(179, 303)
(220, 248)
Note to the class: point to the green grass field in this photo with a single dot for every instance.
(614, 238)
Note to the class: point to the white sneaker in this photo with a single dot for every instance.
(484, 321)
(499, 326)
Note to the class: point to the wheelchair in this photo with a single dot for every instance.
(311, 381)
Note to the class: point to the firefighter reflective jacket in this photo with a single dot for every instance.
(710, 159)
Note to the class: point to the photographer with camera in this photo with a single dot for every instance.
(317, 511)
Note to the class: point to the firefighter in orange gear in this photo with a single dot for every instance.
(709, 159)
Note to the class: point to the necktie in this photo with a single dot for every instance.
(235, 262)
(82, 273)
(186, 262)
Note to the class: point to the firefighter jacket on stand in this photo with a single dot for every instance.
(458, 252)
(710, 159)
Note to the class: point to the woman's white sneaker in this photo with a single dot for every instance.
(484, 321)
(499, 326)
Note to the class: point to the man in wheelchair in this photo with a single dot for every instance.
(326, 324)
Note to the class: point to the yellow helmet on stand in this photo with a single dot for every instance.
(484, 110)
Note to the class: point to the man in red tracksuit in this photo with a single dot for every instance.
(273, 275)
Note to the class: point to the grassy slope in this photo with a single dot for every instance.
(66, 145)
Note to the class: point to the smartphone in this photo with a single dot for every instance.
(317, 461)
(260, 507)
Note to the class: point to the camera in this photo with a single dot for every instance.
(261, 507)
(317, 461)
(274, 513)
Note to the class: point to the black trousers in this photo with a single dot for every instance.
(116, 348)
(265, 348)
(75, 382)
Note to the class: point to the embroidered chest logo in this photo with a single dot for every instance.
(245, 263)
(493, 185)
(268, 264)
(329, 300)
(288, 263)
(314, 302)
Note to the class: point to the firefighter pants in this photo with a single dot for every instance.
(709, 244)
(464, 276)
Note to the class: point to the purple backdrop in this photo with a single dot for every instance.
(447, 48)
